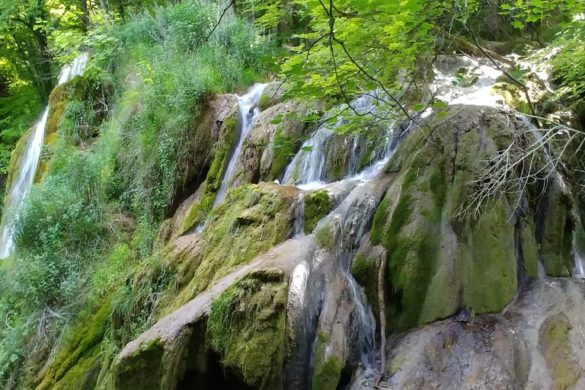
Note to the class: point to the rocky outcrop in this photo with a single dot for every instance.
(155, 359)
(252, 220)
(534, 343)
(274, 139)
(209, 154)
(442, 259)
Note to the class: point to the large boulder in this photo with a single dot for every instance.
(533, 344)
(443, 256)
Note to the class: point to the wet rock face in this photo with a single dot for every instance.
(253, 219)
(535, 343)
(442, 258)
(275, 137)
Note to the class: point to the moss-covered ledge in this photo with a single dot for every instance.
(156, 358)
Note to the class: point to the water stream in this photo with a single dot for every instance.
(458, 80)
(24, 177)
(248, 108)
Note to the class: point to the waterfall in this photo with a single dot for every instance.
(308, 165)
(450, 84)
(248, 108)
(307, 169)
(577, 249)
(24, 177)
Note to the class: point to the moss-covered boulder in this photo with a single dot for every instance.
(556, 346)
(534, 343)
(556, 226)
(247, 327)
(212, 146)
(317, 204)
(79, 360)
(252, 219)
(441, 258)
(78, 88)
(273, 94)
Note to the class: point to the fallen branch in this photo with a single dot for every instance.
(382, 311)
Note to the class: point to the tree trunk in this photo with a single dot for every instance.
(121, 9)
(44, 69)
(84, 16)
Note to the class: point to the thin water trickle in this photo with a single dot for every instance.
(248, 108)
(24, 179)
(578, 258)
(299, 223)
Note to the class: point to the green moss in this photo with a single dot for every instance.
(252, 219)
(199, 211)
(491, 271)
(142, 370)
(265, 102)
(317, 205)
(396, 364)
(283, 148)
(336, 158)
(325, 235)
(327, 369)
(556, 346)
(365, 272)
(529, 250)
(75, 89)
(513, 96)
(380, 220)
(557, 236)
(412, 237)
(247, 327)
(80, 352)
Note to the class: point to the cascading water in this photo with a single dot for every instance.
(248, 107)
(307, 169)
(307, 172)
(308, 165)
(24, 177)
(464, 80)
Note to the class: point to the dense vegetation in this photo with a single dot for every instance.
(87, 232)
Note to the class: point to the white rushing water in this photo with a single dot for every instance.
(248, 107)
(307, 169)
(24, 177)
(464, 80)
(578, 257)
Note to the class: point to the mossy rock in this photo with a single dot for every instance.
(513, 95)
(77, 88)
(327, 369)
(199, 211)
(557, 233)
(142, 370)
(79, 359)
(556, 346)
(247, 327)
(273, 94)
(326, 235)
(365, 271)
(439, 259)
(317, 205)
(250, 221)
